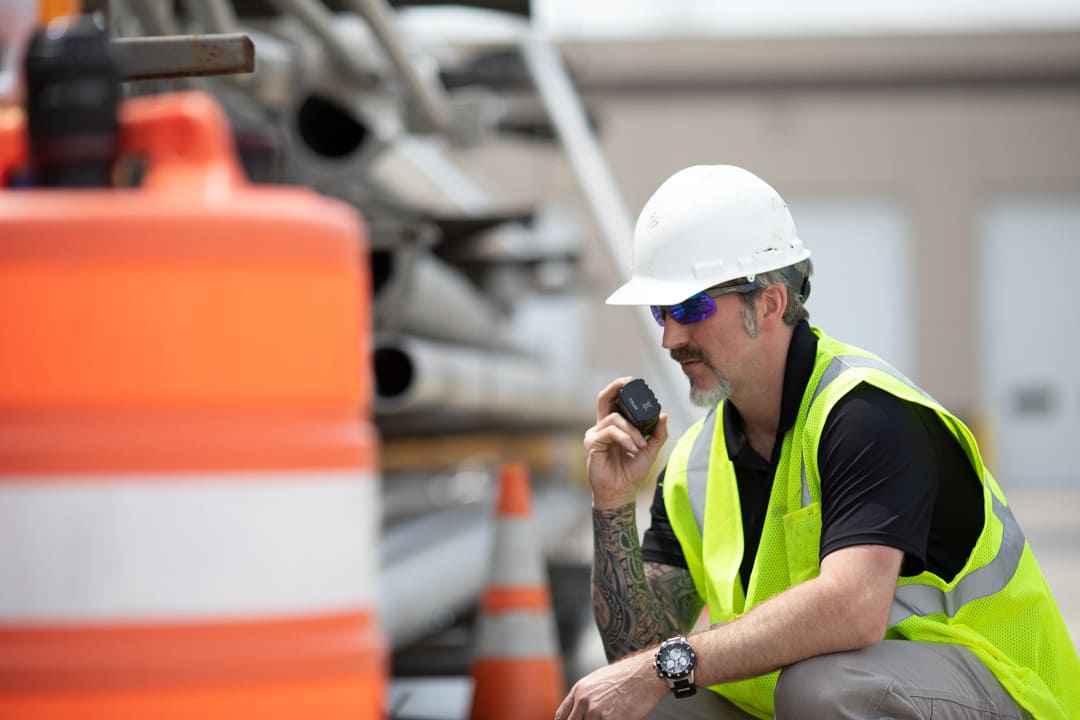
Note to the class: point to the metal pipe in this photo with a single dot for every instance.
(98, 7)
(434, 568)
(174, 56)
(430, 97)
(413, 290)
(333, 140)
(421, 376)
(215, 16)
(420, 167)
(155, 16)
(319, 20)
(407, 495)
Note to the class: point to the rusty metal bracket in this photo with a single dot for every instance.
(172, 56)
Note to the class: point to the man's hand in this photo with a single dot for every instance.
(617, 457)
(628, 690)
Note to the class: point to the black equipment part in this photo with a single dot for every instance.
(637, 403)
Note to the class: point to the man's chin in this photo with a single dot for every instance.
(708, 397)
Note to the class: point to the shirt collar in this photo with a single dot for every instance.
(797, 370)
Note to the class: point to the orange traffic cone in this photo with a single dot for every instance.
(516, 667)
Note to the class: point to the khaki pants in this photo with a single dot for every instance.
(895, 679)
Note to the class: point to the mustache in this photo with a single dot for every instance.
(681, 354)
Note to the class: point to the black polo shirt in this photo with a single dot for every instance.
(891, 474)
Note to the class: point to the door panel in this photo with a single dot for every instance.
(1031, 334)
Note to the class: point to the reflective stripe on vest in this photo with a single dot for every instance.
(919, 598)
(838, 365)
(982, 608)
(697, 467)
(911, 599)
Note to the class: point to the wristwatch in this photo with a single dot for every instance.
(675, 663)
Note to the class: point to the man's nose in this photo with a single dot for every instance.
(675, 334)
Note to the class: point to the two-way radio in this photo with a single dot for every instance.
(637, 403)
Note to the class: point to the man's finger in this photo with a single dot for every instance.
(659, 432)
(563, 713)
(605, 401)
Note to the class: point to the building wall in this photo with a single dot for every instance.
(937, 126)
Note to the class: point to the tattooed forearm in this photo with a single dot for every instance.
(675, 590)
(629, 613)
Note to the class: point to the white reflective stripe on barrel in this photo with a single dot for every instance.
(177, 546)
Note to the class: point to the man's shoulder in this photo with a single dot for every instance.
(869, 424)
(869, 405)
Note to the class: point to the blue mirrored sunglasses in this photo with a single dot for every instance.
(700, 306)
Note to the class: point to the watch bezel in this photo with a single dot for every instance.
(665, 647)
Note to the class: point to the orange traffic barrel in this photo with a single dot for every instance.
(49, 10)
(516, 667)
(188, 470)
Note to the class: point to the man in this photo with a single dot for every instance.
(856, 557)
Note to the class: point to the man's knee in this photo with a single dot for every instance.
(818, 686)
(893, 678)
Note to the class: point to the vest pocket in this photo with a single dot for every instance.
(802, 537)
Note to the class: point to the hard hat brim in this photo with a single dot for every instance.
(648, 291)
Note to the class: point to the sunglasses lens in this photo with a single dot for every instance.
(691, 310)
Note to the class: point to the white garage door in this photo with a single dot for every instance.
(1030, 335)
(862, 288)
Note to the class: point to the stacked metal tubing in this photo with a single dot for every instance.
(440, 384)
(445, 555)
(418, 294)
(444, 361)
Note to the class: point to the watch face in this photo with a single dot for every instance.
(676, 660)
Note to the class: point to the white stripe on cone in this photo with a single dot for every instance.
(186, 545)
(517, 561)
(516, 634)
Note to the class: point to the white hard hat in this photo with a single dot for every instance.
(706, 225)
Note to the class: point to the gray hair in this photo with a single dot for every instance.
(787, 276)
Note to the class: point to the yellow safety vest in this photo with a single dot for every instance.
(998, 605)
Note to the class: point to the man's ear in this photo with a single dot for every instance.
(772, 302)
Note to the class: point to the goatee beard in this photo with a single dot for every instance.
(708, 398)
(700, 396)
